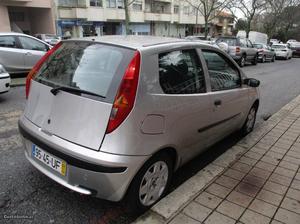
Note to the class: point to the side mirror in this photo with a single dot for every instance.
(252, 82)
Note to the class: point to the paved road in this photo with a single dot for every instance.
(25, 191)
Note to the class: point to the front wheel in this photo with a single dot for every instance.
(273, 58)
(151, 183)
(250, 121)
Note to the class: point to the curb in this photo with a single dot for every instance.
(167, 208)
(18, 82)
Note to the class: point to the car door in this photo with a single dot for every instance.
(33, 50)
(184, 102)
(251, 50)
(11, 56)
(229, 98)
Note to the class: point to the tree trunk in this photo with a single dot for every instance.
(206, 28)
(127, 18)
(248, 29)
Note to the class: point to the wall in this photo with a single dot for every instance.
(4, 19)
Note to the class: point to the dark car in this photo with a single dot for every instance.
(241, 50)
(295, 47)
(265, 53)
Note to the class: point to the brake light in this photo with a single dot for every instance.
(238, 50)
(37, 67)
(125, 98)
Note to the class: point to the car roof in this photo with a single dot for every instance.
(133, 41)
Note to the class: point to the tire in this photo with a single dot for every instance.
(273, 58)
(250, 121)
(254, 62)
(139, 201)
(242, 61)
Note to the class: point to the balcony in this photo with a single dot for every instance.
(163, 17)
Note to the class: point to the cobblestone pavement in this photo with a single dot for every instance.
(261, 186)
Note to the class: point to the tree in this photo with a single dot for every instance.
(249, 9)
(127, 3)
(209, 9)
(275, 13)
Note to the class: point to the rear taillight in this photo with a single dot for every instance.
(37, 67)
(237, 50)
(125, 98)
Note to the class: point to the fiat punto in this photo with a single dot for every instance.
(115, 116)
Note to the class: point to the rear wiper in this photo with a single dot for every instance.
(54, 91)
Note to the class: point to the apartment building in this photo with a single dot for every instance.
(107, 17)
(27, 16)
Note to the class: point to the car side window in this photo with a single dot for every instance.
(8, 41)
(249, 44)
(180, 72)
(222, 72)
(32, 44)
(243, 43)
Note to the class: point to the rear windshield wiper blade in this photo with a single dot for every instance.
(54, 91)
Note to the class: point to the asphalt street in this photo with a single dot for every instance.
(31, 197)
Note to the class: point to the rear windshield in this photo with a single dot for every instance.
(279, 46)
(229, 41)
(258, 46)
(92, 67)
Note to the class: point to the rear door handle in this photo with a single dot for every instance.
(28, 53)
(218, 102)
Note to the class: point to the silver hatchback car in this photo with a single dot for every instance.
(115, 116)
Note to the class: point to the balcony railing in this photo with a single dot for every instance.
(73, 3)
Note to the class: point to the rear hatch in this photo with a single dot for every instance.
(86, 77)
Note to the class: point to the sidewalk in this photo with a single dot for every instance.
(256, 181)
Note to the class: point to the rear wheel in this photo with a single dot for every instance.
(254, 62)
(250, 121)
(242, 61)
(151, 183)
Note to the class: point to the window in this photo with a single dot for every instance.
(111, 3)
(97, 3)
(249, 44)
(176, 9)
(243, 43)
(137, 6)
(180, 72)
(223, 74)
(31, 44)
(86, 66)
(120, 4)
(186, 10)
(8, 41)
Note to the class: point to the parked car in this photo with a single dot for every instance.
(291, 41)
(241, 50)
(51, 39)
(265, 53)
(274, 41)
(115, 116)
(295, 47)
(282, 51)
(20, 52)
(4, 80)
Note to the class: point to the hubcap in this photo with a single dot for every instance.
(243, 61)
(250, 120)
(153, 183)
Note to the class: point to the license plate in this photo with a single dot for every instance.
(56, 164)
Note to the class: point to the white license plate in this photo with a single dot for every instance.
(56, 164)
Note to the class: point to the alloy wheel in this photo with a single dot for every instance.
(251, 120)
(153, 183)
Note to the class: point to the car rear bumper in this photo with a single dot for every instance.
(4, 84)
(89, 172)
(296, 53)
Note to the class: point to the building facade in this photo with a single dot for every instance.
(78, 18)
(27, 16)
